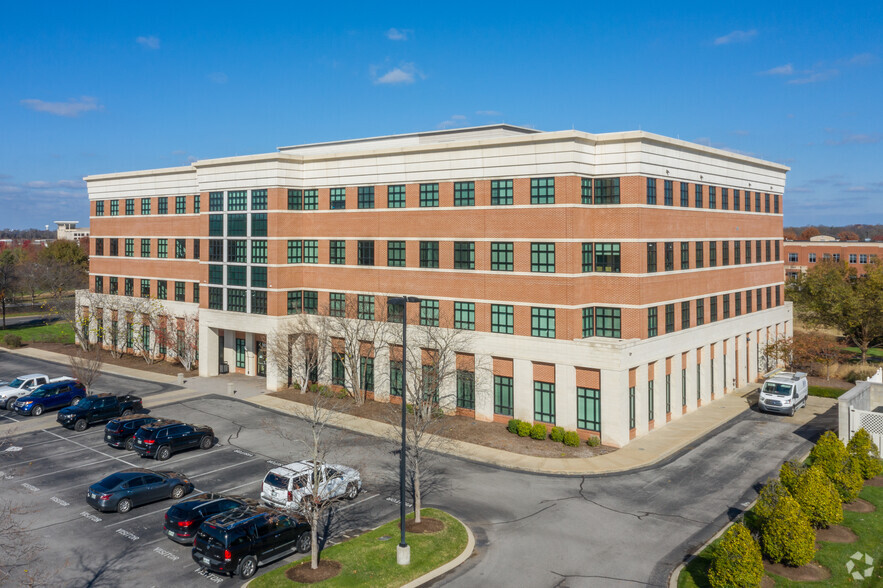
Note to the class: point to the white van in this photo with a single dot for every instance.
(784, 393)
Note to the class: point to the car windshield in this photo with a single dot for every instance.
(87, 403)
(778, 389)
(16, 383)
(41, 393)
(112, 481)
(276, 481)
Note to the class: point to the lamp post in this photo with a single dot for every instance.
(403, 550)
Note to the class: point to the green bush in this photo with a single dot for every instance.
(513, 425)
(829, 453)
(787, 536)
(523, 429)
(571, 439)
(789, 473)
(769, 499)
(12, 340)
(736, 561)
(849, 480)
(557, 434)
(538, 431)
(858, 374)
(819, 498)
(865, 452)
(594, 441)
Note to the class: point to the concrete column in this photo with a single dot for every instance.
(704, 384)
(677, 382)
(690, 366)
(752, 357)
(658, 393)
(381, 373)
(642, 423)
(565, 396)
(522, 372)
(277, 378)
(484, 388)
(250, 355)
(230, 349)
(615, 407)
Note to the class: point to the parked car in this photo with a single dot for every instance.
(183, 519)
(20, 386)
(56, 394)
(286, 486)
(98, 409)
(136, 486)
(239, 541)
(164, 438)
(784, 393)
(121, 432)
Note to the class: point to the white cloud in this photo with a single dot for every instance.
(395, 34)
(782, 70)
(150, 42)
(736, 37)
(815, 76)
(404, 74)
(741, 132)
(488, 113)
(218, 77)
(861, 59)
(71, 108)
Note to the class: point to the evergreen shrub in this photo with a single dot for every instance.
(736, 561)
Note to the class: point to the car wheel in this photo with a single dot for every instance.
(127, 412)
(75, 401)
(178, 492)
(80, 425)
(205, 442)
(8, 403)
(124, 505)
(792, 411)
(304, 542)
(130, 444)
(37, 411)
(352, 491)
(163, 453)
(247, 567)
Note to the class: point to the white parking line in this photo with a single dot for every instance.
(225, 468)
(54, 440)
(147, 514)
(52, 473)
(259, 480)
(131, 465)
(10, 418)
(352, 504)
(30, 461)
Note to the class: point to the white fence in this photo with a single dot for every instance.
(872, 422)
(858, 410)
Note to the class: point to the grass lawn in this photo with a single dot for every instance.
(54, 333)
(368, 561)
(873, 352)
(868, 527)
(826, 392)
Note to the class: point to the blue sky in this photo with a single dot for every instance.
(89, 87)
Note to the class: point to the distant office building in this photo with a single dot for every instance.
(67, 230)
(800, 256)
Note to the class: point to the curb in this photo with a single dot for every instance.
(457, 561)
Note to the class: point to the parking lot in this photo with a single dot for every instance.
(48, 471)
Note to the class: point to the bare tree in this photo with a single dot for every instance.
(156, 337)
(86, 366)
(187, 341)
(359, 329)
(298, 348)
(8, 280)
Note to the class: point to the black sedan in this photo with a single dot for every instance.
(163, 438)
(134, 487)
(183, 519)
(120, 432)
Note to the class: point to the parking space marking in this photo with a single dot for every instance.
(30, 461)
(59, 501)
(208, 575)
(241, 485)
(224, 468)
(54, 440)
(128, 535)
(10, 418)
(82, 465)
(147, 514)
(352, 504)
(131, 465)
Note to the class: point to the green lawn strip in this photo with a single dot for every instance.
(368, 561)
(54, 333)
(868, 527)
(823, 392)
(874, 352)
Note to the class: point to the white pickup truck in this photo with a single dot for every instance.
(785, 392)
(22, 386)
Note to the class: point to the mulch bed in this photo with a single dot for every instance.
(306, 575)
(425, 526)
(461, 428)
(836, 534)
(878, 481)
(859, 505)
(811, 572)
(135, 362)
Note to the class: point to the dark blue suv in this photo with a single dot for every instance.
(50, 396)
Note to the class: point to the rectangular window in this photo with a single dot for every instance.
(651, 258)
(395, 253)
(685, 256)
(114, 207)
(862, 258)
(216, 274)
(544, 402)
(726, 306)
(196, 208)
(145, 288)
(586, 190)
(712, 197)
(812, 256)
(756, 203)
(669, 318)
(652, 322)
(130, 247)
(769, 296)
(769, 252)
(685, 315)
(237, 251)
(683, 387)
(294, 302)
(737, 296)
(237, 200)
(196, 292)
(766, 206)
(700, 312)
(216, 225)
(259, 200)
(114, 247)
(237, 225)
(337, 304)
(542, 322)
(196, 247)
(697, 193)
(311, 199)
(162, 205)
(607, 257)
(588, 409)
(759, 299)
(236, 275)
(429, 313)
(464, 255)
(589, 322)
(503, 395)
(365, 307)
(737, 252)
(395, 313)
(180, 248)
(542, 257)
(336, 252)
(759, 256)
(258, 276)
(725, 199)
(311, 251)
(607, 191)
(778, 296)
(180, 291)
(428, 195)
(180, 204)
(258, 301)
(311, 302)
(365, 253)
(502, 257)
(778, 252)
(725, 253)
(464, 193)
(669, 256)
(712, 254)
(366, 368)
(99, 246)
(112, 287)
(669, 196)
(366, 197)
(502, 318)
(240, 353)
(395, 378)
(145, 248)
(464, 315)
(685, 194)
(748, 252)
(295, 199)
(338, 198)
(588, 257)
(465, 389)
(259, 251)
(667, 393)
(736, 195)
(216, 298)
(542, 190)
(130, 206)
(294, 251)
(631, 407)
(395, 197)
(259, 225)
(215, 201)
(651, 190)
(99, 208)
(162, 248)
(99, 284)
(700, 257)
(429, 254)
(236, 300)
(161, 289)
(501, 192)
(608, 322)
(712, 309)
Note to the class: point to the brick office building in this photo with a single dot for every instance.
(803, 255)
(610, 282)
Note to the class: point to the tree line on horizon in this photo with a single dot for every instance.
(844, 233)
(30, 234)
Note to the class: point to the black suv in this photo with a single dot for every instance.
(183, 520)
(163, 438)
(239, 541)
(121, 432)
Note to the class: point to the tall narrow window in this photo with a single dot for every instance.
(631, 407)
(588, 409)
(700, 258)
(651, 190)
(544, 402)
(465, 389)
(588, 257)
(669, 196)
(503, 395)
(586, 190)
(366, 196)
(725, 199)
(669, 318)
(697, 192)
(429, 254)
(685, 194)
(712, 197)
(180, 204)
(669, 256)
(650, 401)
(651, 258)
(685, 256)
(652, 323)
(685, 314)
(336, 252)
